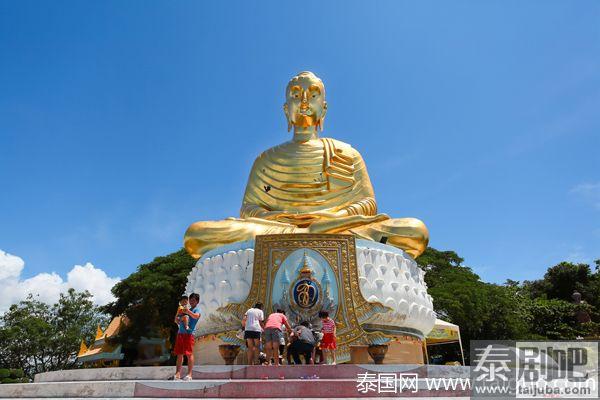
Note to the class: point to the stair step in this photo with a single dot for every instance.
(237, 388)
(347, 371)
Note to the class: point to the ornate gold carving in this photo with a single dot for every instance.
(340, 252)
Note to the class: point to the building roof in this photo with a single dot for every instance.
(101, 349)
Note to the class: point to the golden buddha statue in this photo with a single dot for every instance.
(308, 185)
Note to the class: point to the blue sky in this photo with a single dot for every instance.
(123, 122)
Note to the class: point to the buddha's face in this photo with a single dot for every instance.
(305, 104)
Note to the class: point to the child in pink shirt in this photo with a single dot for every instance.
(329, 342)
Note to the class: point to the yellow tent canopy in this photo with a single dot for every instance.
(443, 332)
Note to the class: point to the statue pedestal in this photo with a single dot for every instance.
(375, 292)
(359, 354)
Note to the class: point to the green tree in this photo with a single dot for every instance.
(540, 309)
(595, 290)
(482, 310)
(555, 319)
(565, 278)
(561, 280)
(149, 298)
(38, 337)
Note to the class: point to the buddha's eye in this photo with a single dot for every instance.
(295, 92)
(314, 91)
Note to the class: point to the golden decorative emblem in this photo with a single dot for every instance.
(340, 252)
(305, 292)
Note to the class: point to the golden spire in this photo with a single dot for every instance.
(99, 333)
(306, 267)
(82, 349)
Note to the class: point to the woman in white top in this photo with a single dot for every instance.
(253, 327)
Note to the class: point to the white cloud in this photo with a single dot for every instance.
(48, 286)
(10, 266)
(94, 280)
(590, 192)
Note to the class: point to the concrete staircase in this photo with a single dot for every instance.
(238, 381)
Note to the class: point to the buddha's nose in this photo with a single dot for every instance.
(304, 102)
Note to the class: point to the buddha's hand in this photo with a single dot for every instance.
(293, 217)
(308, 218)
(343, 223)
(276, 215)
(255, 211)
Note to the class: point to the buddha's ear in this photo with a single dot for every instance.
(287, 116)
(320, 123)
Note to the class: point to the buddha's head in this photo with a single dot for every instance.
(305, 106)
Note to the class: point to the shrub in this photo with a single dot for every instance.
(17, 373)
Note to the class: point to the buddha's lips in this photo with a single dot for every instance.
(304, 121)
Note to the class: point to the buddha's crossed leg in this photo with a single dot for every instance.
(207, 235)
(408, 234)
